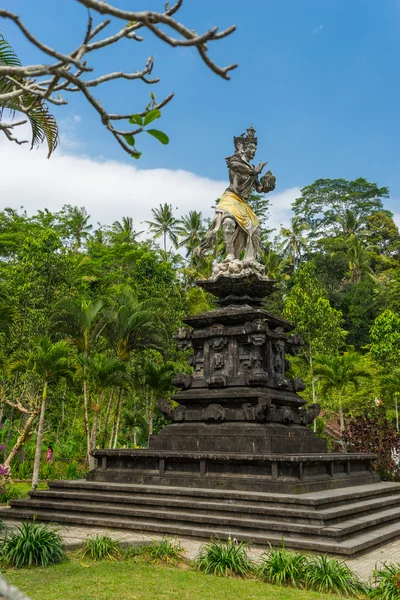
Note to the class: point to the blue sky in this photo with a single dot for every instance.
(319, 79)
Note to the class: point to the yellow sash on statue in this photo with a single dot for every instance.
(239, 209)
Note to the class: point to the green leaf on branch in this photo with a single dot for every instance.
(152, 115)
(136, 155)
(159, 135)
(130, 139)
(136, 120)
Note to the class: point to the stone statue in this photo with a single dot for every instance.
(239, 223)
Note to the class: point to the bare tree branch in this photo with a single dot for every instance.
(45, 81)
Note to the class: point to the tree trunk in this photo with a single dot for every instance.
(21, 440)
(165, 242)
(86, 414)
(103, 441)
(9, 427)
(92, 460)
(36, 464)
(118, 420)
(341, 415)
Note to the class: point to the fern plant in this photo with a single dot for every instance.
(33, 545)
(224, 558)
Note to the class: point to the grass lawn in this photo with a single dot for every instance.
(82, 579)
(25, 486)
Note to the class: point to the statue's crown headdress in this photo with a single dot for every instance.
(242, 141)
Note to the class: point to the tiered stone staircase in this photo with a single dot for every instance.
(344, 521)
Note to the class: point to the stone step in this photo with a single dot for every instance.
(178, 515)
(266, 524)
(349, 547)
(315, 500)
(331, 515)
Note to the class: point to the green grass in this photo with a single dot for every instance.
(25, 487)
(82, 579)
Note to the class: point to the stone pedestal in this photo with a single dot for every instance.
(237, 419)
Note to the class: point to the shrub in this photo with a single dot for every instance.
(375, 434)
(167, 551)
(224, 558)
(329, 575)
(387, 582)
(282, 567)
(33, 545)
(100, 547)
(23, 470)
(12, 493)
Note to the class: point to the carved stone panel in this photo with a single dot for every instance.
(214, 412)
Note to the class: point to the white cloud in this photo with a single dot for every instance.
(281, 210)
(317, 29)
(109, 189)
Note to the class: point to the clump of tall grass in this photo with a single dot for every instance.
(164, 551)
(386, 582)
(101, 547)
(33, 545)
(224, 558)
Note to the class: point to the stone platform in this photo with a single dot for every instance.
(276, 473)
(344, 521)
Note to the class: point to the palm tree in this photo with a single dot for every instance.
(124, 230)
(349, 222)
(359, 259)
(392, 383)
(105, 372)
(192, 230)
(132, 325)
(164, 224)
(274, 264)
(157, 380)
(43, 124)
(294, 242)
(79, 321)
(338, 373)
(76, 223)
(48, 362)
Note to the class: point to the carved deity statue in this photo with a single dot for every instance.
(240, 225)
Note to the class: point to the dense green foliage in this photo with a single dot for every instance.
(87, 317)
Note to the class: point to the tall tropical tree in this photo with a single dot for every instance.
(48, 362)
(76, 224)
(132, 325)
(338, 374)
(164, 225)
(274, 264)
(124, 232)
(359, 258)
(106, 373)
(350, 222)
(79, 321)
(191, 229)
(157, 380)
(43, 124)
(294, 241)
(391, 383)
